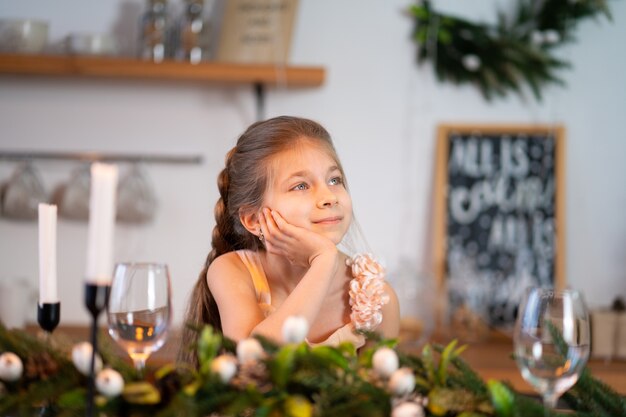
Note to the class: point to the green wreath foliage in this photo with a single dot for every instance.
(293, 380)
(520, 49)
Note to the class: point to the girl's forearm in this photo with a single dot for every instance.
(306, 299)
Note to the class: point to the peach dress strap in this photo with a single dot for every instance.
(263, 295)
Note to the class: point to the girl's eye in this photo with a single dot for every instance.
(300, 187)
(336, 181)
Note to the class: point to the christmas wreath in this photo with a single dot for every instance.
(259, 378)
(499, 58)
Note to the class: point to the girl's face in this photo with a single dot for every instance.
(306, 187)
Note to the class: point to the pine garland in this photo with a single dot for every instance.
(504, 57)
(291, 380)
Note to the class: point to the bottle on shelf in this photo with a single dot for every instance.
(192, 35)
(153, 42)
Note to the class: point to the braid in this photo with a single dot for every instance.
(202, 308)
(224, 238)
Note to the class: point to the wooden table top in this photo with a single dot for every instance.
(492, 359)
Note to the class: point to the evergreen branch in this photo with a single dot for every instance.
(296, 380)
(504, 57)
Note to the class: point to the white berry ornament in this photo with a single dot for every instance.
(385, 361)
(109, 383)
(249, 350)
(225, 366)
(11, 367)
(295, 329)
(81, 357)
(408, 409)
(402, 382)
(471, 62)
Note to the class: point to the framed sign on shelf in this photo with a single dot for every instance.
(499, 219)
(257, 32)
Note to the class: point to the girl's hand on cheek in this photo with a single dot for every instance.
(299, 245)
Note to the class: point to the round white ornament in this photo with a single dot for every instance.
(471, 62)
(295, 329)
(249, 350)
(408, 409)
(81, 357)
(402, 382)
(11, 367)
(551, 36)
(537, 38)
(225, 366)
(109, 383)
(385, 361)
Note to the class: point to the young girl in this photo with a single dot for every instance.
(283, 209)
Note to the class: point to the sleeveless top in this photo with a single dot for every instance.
(365, 314)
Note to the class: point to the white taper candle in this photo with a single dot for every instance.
(48, 254)
(101, 224)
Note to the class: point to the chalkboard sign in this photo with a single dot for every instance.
(499, 216)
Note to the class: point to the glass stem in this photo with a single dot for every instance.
(139, 360)
(549, 401)
(140, 364)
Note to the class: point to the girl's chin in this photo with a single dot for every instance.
(336, 238)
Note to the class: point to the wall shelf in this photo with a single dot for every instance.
(128, 68)
(259, 76)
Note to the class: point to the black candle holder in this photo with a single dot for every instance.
(96, 300)
(48, 316)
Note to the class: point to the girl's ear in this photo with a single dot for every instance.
(250, 220)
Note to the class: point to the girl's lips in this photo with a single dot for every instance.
(329, 220)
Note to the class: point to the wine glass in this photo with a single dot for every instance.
(139, 309)
(551, 340)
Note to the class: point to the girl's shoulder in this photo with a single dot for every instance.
(228, 264)
(228, 259)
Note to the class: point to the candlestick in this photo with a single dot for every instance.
(47, 254)
(99, 255)
(96, 300)
(101, 224)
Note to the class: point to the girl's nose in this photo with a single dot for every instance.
(327, 199)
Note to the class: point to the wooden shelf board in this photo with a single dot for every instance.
(128, 68)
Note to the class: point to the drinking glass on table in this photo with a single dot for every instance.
(139, 310)
(552, 340)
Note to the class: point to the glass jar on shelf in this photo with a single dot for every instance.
(192, 34)
(153, 42)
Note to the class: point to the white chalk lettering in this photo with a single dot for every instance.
(472, 157)
(508, 195)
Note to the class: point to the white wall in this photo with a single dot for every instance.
(380, 107)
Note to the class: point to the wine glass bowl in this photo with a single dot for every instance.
(139, 309)
(552, 340)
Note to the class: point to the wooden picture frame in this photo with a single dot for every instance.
(256, 31)
(499, 216)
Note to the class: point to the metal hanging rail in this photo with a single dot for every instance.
(101, 157)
